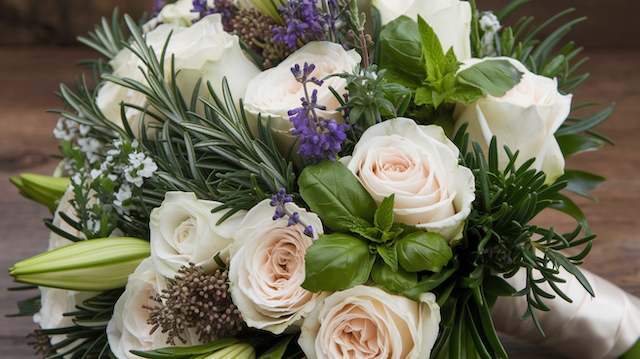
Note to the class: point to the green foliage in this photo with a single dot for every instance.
(334, 193)
(337, 262)
(187, 352)
(108, 38)
(417, 60)
(345, 259)
(422, 251)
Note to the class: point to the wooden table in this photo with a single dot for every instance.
(28, 78)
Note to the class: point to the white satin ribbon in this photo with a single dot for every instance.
(603, 327)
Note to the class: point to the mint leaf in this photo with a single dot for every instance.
(383, 218)
(336, 195)
(337, 262)
(434, 57)
(493, 77)
(423, 251)
(401, 52)
(395, 281)
(389, 255)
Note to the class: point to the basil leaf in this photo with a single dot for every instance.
(334, 194)
(393, 281)
(423, 251)
(337, 262)
(389, 255)
(383, 218)
(493, 77)
(401, 52)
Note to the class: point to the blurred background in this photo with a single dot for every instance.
(38, 50)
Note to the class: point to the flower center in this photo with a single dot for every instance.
(183, 235)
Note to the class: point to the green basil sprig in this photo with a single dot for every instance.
(365, 243)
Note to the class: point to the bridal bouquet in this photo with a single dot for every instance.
(322, 179)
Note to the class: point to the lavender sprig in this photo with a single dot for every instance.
(303, 23)
(319, 138)
(279, 201)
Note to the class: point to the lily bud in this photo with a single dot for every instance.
(91, 265)
(45, 190)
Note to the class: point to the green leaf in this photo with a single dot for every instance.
(277, 351)
(582, 183)
(337, 262)
(493, 77)
(389, 255)
(394, 281)
(401, 52)
(430, 282)
(434, 56)
(185, 352)
(400, 98)
(567, 206)
(334, 193)
(574, 144)
(573, 269)
(633, 353)
(383, 218)
(423, 251)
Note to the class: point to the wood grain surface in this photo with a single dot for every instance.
(28, 78)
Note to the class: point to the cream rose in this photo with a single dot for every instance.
(525, 119)
(267, 268)
(367, 322)
(54, 303)
(128, 328)
(275, 91)
(179, 13)
(418, 164)
(202, 51)
(184, 230)
(450, 19)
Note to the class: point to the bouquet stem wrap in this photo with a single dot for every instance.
(604, 326)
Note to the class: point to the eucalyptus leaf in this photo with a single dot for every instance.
(394, 281)
(582, 183)
(572, 144)
(493, 77)
(337, 262)
(334, 193)
(423, 251)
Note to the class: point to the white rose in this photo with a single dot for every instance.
(184, 230)
(275, 91)
(524, 119)
(178, 13)
(367, 322)
(202, 51)
(267, 268)
(450, 19)
(128, 328)
(418, 164)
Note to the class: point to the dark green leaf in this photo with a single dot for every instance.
(391, 280)
(493, 77)
(434, 55)
(185, 352)
(573, 144)
(277, 351)
(383, 218)
(401, 52)
(582, 183)
(389, 255)
(335, 194)
(337, 262)
(567, 206)
(423, 251)
(573, 269)
(430, 282)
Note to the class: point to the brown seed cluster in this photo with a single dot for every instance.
(40, 343)
(199, 300)
(255, 30)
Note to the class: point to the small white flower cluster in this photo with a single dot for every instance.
(68, 130)
(490, 25)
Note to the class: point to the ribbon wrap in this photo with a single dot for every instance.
(601, 327)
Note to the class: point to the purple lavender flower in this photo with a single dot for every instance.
(319, 138)
(303, 23)
(226, 8)
(158, 5)
(279, 200)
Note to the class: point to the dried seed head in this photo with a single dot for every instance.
(40, 343)
(199, 300)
